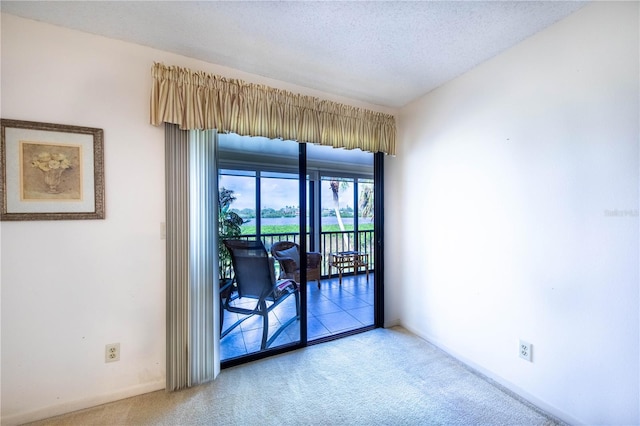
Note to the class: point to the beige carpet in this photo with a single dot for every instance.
(382, 377)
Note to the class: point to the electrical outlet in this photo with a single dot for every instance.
(524, 350)
(112, 352)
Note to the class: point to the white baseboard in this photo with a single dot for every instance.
(80, 404)
(509, 386)
(392, 323)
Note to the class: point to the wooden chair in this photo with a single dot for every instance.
(287, 253)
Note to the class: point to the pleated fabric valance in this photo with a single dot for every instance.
(197, 100)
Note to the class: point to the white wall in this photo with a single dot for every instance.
(70, 287)
(501, 217)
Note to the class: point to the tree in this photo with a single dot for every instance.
(335, 189)
(229, 226)
(366, 200)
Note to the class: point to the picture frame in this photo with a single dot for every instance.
(50, 171)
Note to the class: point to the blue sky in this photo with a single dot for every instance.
(277, 193)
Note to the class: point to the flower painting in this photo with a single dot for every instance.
(50, 172)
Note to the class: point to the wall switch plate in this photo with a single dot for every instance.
(524, 350)
(112, 352)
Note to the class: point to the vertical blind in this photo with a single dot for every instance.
(177, 216)
(192, 326)
(205, 333)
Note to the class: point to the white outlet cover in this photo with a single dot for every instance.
(112, 352)
(524, 350)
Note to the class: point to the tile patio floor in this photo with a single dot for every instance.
(331, 309)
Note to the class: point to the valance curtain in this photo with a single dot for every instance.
(197, 100)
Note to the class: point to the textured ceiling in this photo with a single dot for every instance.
(384, 52)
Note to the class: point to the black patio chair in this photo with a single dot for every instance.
(255, 279)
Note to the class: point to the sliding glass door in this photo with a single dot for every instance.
(262, 196)
(307, 205)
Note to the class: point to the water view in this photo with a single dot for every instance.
(330, 220)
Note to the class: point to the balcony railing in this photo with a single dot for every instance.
(330, 242)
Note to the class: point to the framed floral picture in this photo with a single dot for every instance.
(50, 171)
